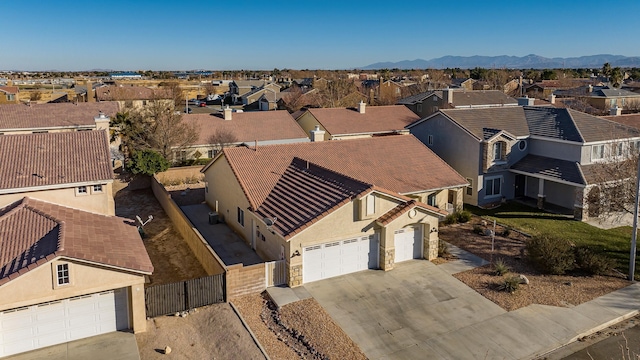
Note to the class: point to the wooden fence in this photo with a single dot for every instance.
(184, 295)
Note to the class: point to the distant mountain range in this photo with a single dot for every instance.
(531, 61)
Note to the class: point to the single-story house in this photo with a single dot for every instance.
(333, 207)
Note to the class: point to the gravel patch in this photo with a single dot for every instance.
(300, 330)
(555, 290)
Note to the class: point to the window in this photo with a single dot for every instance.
(62, 274)
(419, 107)
(82, 190)
(434, 98)
(371, 204)
(618, 149)
(11, 97)
(492, 187)
(497, 151)
(97, 188)
(211, 153)
(470, 187)
(431, 200)
(144, 102)
(430, 140)
(597, 152)
(634, 146)
(241, 217)
(522, 144)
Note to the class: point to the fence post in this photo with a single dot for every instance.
(187, 304)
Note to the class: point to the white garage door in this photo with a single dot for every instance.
(61, 321)
(339, 257)
(408, 242)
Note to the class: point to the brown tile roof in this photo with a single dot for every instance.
(9, 89)
(33, 232)
(475, 120)
(376, 119)
(632, 120)
(48, 159)
(48, 116)
(305, 193)
(594, 128)
(401, 164)
(248, 126)
(111, 93)
(482, 97)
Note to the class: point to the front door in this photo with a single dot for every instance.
(521, 182)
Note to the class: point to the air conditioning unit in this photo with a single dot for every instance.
(213, 218)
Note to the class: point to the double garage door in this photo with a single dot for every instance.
(57, 322)
(339, 257)
(408, 244)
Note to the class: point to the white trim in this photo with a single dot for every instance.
(484, 186)
(53, 187)
(535, 137)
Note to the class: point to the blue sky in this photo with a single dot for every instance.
(303, 34)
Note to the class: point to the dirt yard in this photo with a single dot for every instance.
(211, 332)
(300, 330)
(171, 257)
(556, 290)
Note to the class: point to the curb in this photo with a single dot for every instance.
(591, 331)
(253, 336)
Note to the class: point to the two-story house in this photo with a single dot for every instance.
(542, 153)
(334, 207)
(430, 102)
(347, 123)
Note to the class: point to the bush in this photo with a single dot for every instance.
(506, 232)
(500, 267)
(550, 255)
(478, 229)
(450, 219)
(592, 262)
(510, 284)
(443, 249)
(147, 162)
(462, 216)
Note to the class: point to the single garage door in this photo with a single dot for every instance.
(408, 243)
(61, 321)
(339, 257)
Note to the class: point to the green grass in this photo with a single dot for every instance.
(615, 243)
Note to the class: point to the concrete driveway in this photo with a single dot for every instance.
(115, 345)
(419, 311)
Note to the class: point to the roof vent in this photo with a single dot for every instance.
(361, 107)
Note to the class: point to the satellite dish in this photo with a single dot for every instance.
(269, 222)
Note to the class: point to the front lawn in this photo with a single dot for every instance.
(614, 242)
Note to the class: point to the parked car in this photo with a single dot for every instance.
(202, 104)
(188, 110)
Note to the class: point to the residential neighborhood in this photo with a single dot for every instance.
(333, 186)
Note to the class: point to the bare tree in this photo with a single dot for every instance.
(222, 138)
(175, 92)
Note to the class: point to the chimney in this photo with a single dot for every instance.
(227, 113)
(590, 90)
(361, 107)
(552, 99)
(102, 121)
(91, 95)
(525, 101)
(615, 111)
(317, 134)
(448, 96)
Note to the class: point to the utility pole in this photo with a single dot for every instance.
(634, 235)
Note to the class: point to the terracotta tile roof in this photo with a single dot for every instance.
(401, 164)
(48, 116)
(632, 120)
(305, 193)
(37, 160)
(248, 126)
(33, 232)
(113, 93)
(376, 119)
(9, 89)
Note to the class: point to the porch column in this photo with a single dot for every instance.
(578, 205)
(430, 241)
(541, 195)
(387, 249)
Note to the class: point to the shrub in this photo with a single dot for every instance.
(147, 162)
(510, 284)
(500, 267)
(443, 249)
(450, 219)
(463, 216)
(592, 262)
(506, 232)
(550, 255)
(478, 229)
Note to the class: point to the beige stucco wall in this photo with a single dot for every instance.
(37, 286)
(308, 122)
(101, 203)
